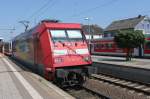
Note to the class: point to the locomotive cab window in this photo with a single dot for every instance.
(75, 35)
(66, 35)
(58, 35)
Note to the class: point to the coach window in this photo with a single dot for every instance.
(112, 34)
(102, 46)
(105, 34)
(110, 46)
(113, 45)
(107, 46)
(147, 45)
(97, 46)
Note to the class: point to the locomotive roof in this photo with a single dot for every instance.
(24, 34)
(125, 23)
(51, 25)
(63, 25)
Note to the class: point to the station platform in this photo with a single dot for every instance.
(135, 62)
(17, 83)
(137, 70)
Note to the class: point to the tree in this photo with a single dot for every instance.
(129, 39)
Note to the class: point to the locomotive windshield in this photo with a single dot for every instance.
(58, 35)
(74, 35)
(66, 35)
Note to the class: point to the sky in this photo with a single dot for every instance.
(100, 12)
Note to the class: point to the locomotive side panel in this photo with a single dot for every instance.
(44, 41)
(23, 50)
(38, 57)
(30, 48)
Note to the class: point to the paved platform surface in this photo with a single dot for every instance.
(137, 63)
(16, 83)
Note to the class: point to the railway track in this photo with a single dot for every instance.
(85, 93)
(136, 86)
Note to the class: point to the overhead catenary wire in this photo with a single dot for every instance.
(93, 8)
(45, 6)
(48, 7)
(34, 14)
(40, 9)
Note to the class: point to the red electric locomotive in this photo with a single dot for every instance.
(57, 51)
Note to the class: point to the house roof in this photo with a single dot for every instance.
(125, 23)
(94, 29)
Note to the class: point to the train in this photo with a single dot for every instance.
(107, 47)
(7, 48)
(57, 51)
(1, 45)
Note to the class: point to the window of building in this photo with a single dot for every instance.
(148, 27)
(143, 26)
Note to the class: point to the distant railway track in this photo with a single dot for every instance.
(131, 85)
(85, 93)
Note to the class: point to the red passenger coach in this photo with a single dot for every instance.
(106, 46)
(147, 47)
(57, 51)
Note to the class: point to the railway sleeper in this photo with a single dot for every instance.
(123, 83)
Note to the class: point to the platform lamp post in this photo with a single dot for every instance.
(11, 41)
(89, 30)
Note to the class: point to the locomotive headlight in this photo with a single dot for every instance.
(87, 58)
(58, 60)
